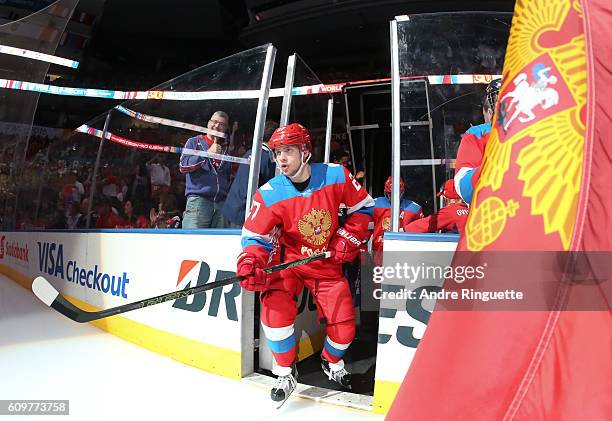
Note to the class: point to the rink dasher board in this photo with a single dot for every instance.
(200, 332)
(102, 269)
(99, 269)
(394, 358)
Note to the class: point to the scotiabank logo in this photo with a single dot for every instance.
(195, 273)
(14, 250)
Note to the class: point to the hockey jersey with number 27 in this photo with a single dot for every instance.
(299, 224)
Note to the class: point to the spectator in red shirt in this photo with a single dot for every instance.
(134, 217)
(107, 218)
(451, 218)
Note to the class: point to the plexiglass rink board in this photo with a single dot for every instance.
(140, 159)
(40, 32)
(310, 110)
(434, 116)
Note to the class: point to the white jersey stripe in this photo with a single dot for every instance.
(458, 177)
(365, 203)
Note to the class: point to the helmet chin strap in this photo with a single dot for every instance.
(300, 170)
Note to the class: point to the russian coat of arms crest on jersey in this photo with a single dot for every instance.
(315, 226)
(386, 223)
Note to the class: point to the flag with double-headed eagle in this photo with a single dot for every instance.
(545, 185)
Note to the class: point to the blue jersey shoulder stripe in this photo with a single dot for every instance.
(406, 204)
(280, 187)
(480, 130)
(366, 210)
(411, 206)
(254, 241)
(382, 202)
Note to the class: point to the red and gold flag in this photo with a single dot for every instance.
(546, 185)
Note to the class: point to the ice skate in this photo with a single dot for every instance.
(336, 372)
(284, 387)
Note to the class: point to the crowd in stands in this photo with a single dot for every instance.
(137, 195)
(132, 188)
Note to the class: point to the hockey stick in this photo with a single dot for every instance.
(49, 295)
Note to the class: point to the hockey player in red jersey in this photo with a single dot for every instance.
(295, 215)
(452, 217)
(409, 211)
(381, 214)
(472, 146)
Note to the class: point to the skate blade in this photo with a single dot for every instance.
(281, 403)
(349, 387)
(279, 406)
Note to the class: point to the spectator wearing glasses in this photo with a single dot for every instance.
(207, 180)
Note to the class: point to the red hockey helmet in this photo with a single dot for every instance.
(448, 190)
(293, 134)
(388, 185)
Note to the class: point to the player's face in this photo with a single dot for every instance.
(288, 159)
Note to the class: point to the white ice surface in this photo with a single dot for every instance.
(44, 355)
